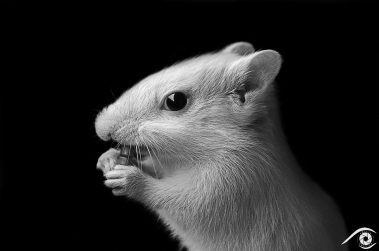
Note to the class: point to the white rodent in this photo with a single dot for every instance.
(213, 160)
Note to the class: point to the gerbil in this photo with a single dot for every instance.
(212, 160)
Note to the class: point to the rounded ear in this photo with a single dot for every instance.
(265, 65)
(260, 68)
(240, 48)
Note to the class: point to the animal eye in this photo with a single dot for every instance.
(365, 237)
(175, 101)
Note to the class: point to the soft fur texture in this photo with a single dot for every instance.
(225, 177)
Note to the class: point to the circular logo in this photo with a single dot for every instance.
(365, 239)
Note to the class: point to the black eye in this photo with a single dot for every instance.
(175, 101)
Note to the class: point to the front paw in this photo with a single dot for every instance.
(108, 160)
(125, 180)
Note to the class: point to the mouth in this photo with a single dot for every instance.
(134, 152)
(140, 157)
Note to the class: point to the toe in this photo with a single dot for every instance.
(119, 191)
(115, 183)
(115, 174)
(122, 167)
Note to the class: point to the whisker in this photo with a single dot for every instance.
(114, 96)
(130, 146)
(140, 157)
(136, 154)
(118, 145)
(157, 158)
(157, 147)
(155, 171)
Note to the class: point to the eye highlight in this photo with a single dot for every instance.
(175, 101)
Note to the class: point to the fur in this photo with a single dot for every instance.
(226, 178)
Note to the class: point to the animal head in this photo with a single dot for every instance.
(197, 108)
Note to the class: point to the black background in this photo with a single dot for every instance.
(63, 62)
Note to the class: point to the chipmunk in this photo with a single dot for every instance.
(208, 155)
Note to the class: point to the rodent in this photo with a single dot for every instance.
(211, 158)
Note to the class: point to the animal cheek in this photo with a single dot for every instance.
(142, 129)
(156, 126)
(204, 122)
(148, 128)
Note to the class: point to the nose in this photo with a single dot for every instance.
(104, 127)
(109, 120)
(104, 135)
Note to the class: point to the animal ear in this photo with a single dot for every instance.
(240, 48)
(258, 70)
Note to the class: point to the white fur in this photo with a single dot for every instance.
(228, 180)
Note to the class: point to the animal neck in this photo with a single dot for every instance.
(239, 203)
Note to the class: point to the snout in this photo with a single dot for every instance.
(112, 124)
(106, 123)
(103, 128)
